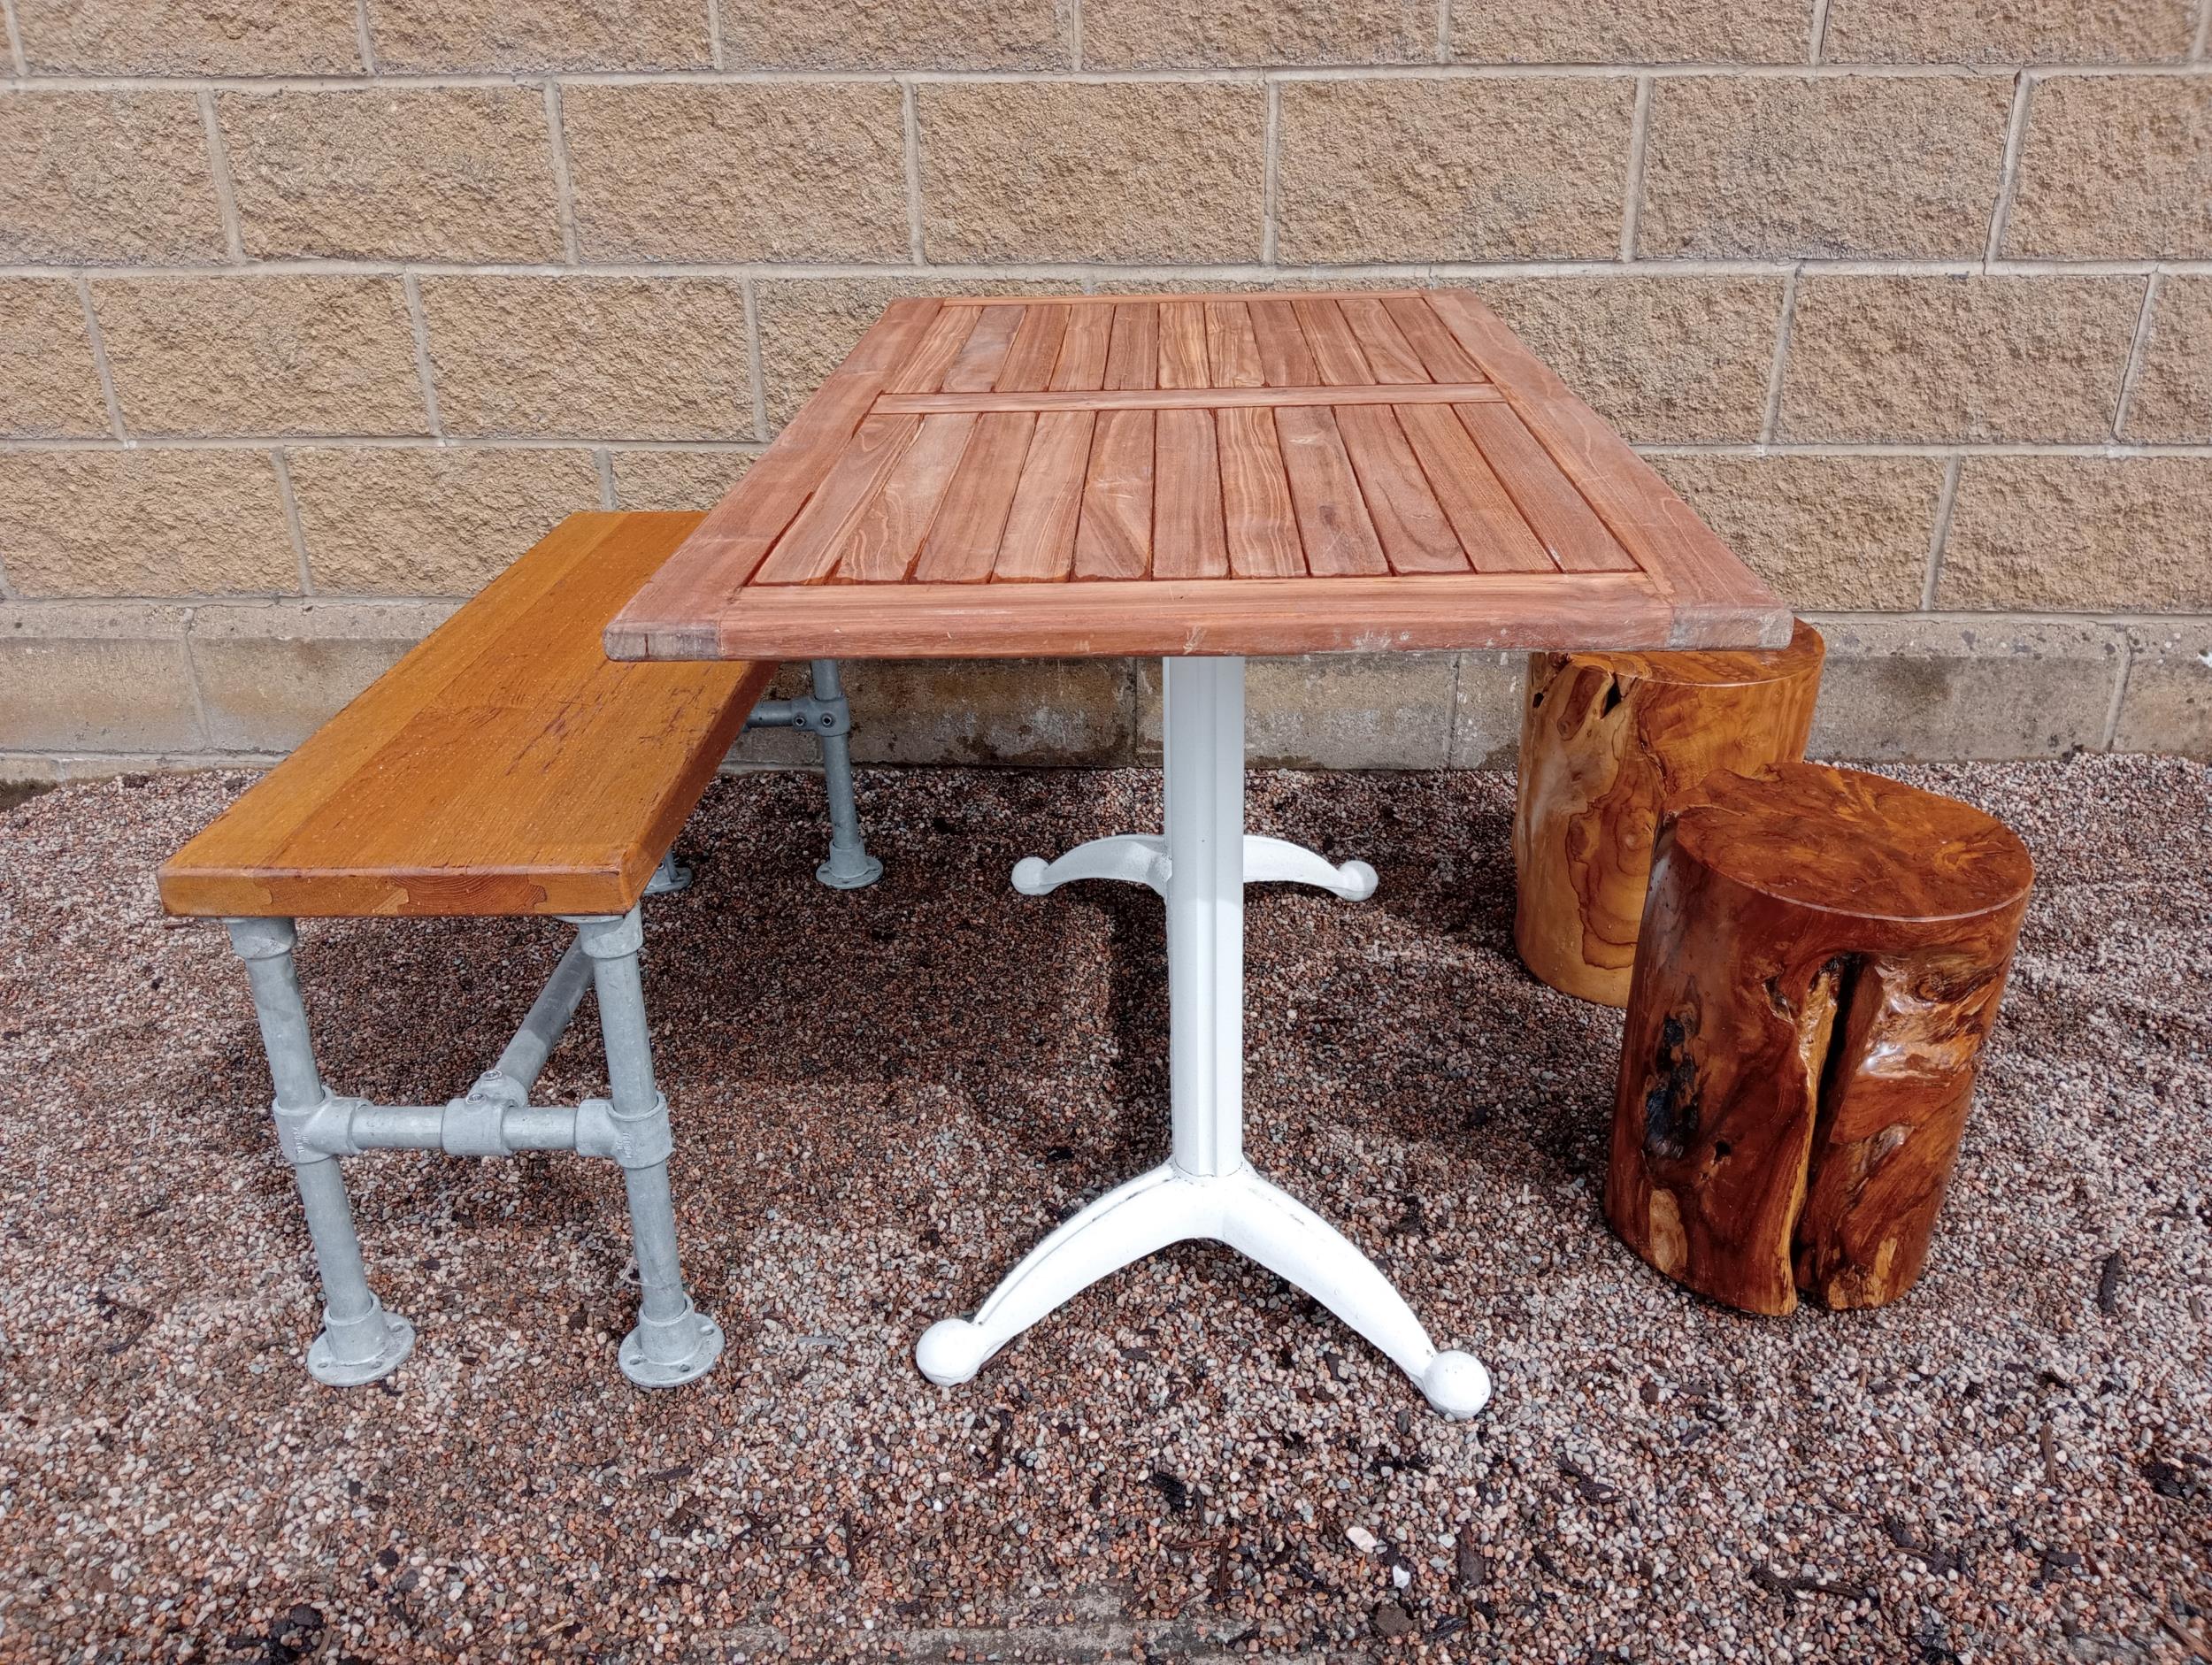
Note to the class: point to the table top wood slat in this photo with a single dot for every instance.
(1052, 458)
(1262, 527)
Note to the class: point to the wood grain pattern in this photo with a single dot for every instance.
(1216, 615)
(1332, 519)
(1482, 512)
(1608, 742)
(1200, 398)
(1823, 956)
(1195, 439)
(505, 766)
(963, 543)
(1413, 529)
(1262, 527)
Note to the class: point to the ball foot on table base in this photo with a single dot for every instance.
(1456, 1384)
(951, 1351)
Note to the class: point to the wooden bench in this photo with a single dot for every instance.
(505, 766)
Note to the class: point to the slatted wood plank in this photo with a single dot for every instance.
(1232, 351)
(1437, 348)
(1083, 349)
(1040, 538)
(1223, 615)
(1481, 510)
(809, 552)
(886, 534)
(1186, 398)
(1336, 352)
(1666, 538)
(1332, 522)
(1035, 350)
(983, 355)
(1415, 533)
(1188, 538)
(1284, 358)
(504, 766)
(1133, 356)
(963, 543)
(724, 551)
(1113, 539)
(1556, 510)
(1381, 342)
(1183, 345)
(938, 349)
(1259, 521)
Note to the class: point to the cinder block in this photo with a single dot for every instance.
(747, 172)
(1858, 167)
(270, 675)
(676, 479)
(442, 521)
(912, 34)
(2167, 705)
(431, 35)
(2115, 167)
(2173, 389)
(402, 174)
(256, 355)
(1410, 169)
(1629, 32)
(1028, 712)
(105, 177)
(1958, 359)
(189, 37)
(1913, 690)
(652, 358)
(2080, 534)
(1173, 34)
(1846, 532)
(76, 677)
(1487, 710)
(2005, 31)
(1130, 170)
(1665, 360)
(143, 523)
(50, 387)
(1385, 711)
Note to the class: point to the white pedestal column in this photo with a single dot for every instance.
(1205, 1189)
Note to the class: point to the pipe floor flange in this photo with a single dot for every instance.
(648, 1373)
(333, 1371)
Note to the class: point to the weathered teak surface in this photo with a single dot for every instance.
(1607, 739)
(1822, 958)
(505, 766)
(1213, 474)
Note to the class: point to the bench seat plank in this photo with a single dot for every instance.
(505, 766)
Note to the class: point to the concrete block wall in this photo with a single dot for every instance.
(313, 313)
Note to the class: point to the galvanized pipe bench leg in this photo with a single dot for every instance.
(360, 1342)
(849, 866)
(673, 1342)
(828, 716)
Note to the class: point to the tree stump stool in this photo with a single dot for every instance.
(1821, 961)
(1606, 741)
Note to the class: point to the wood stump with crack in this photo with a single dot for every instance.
(1606, 740)
(1823, 955)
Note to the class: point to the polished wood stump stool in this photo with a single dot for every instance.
(1820, 960)
(1607, 739)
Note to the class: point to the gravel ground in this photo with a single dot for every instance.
(883, 1098)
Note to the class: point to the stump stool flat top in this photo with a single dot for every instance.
(1223, 474)
(1201, 478)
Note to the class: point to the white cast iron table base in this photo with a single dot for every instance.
(1205, 1190)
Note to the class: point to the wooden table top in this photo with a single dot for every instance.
(994, 476)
